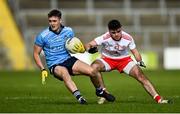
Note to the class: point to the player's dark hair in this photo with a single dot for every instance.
(54, 12)
(114, 25)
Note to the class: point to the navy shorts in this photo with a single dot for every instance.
(67, 64)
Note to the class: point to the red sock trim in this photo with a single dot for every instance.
(158, 98)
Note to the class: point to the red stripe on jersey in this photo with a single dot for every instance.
(106, 36)
(126, 36)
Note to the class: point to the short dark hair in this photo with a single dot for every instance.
(54, 12)
(114, 25)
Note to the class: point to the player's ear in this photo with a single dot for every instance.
(60, 20)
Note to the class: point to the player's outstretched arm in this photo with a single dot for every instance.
(138, 57)
(91, 47)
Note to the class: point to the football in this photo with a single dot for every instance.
(74, 45)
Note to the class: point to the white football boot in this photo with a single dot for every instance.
(101, 100)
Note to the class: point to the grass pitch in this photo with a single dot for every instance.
(23, 92)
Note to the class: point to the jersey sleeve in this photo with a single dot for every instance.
(132, 44)
(39, 40)
(99, 40)
(70, 33)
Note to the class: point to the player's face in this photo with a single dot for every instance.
(54, 23)
(116, 34)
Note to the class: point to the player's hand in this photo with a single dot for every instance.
(141, 63)
(93, 50)
(44, 75)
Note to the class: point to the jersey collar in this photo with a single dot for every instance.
(55, 31)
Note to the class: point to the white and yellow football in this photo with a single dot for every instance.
(74, 45)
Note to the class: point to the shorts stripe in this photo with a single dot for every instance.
(128, 67)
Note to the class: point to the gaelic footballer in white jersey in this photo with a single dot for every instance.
(115, 49)
(115, 46)
(118, 50)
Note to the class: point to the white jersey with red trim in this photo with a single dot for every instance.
(115, 49)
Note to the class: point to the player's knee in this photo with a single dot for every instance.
(59, 70)
(60, 73)
(95, 67)
(92, 72)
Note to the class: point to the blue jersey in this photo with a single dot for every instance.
(53, 45)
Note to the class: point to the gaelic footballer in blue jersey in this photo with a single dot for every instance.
(60, 63)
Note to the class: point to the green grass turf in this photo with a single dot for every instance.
(23, 92)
